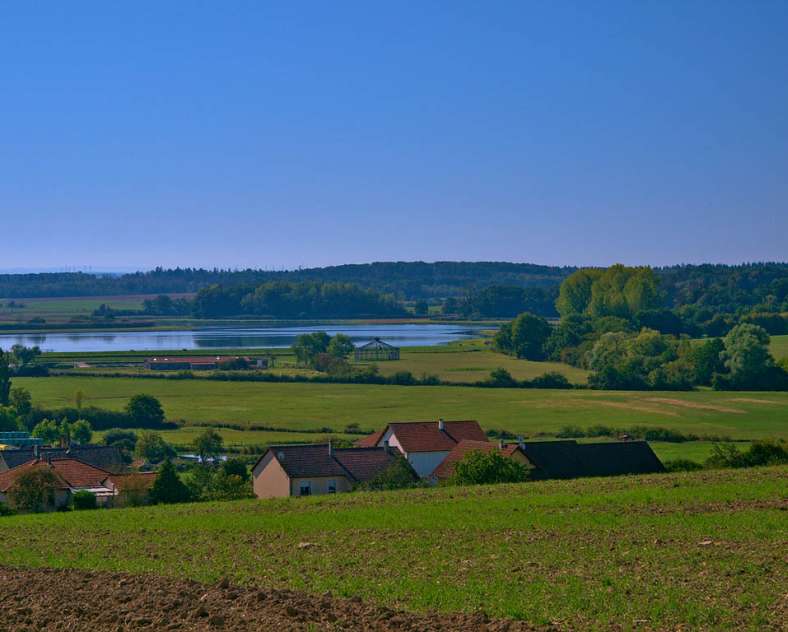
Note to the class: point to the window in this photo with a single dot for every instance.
(332, 487)
(306, 488)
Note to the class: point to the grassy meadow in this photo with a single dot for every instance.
(472, 361)
(693, 550)
(740, 415)
(779, 346)
(63, 309)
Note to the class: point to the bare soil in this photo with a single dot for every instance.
(60, 600)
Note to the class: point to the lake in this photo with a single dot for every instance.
(408, 335)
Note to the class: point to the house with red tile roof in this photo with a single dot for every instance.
(72, 475)
(445, 469)
(425, 444)
(306, 470)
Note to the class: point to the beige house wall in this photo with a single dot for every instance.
(269, 478)
(319, 485)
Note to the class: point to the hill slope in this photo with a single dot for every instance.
(700, 550)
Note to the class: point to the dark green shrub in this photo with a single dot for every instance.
(484, 468)
(84, 499)
(682, 465)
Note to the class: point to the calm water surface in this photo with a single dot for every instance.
(238, 337)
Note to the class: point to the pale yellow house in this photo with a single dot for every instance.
(307, 470)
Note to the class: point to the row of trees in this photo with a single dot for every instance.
(722, 288)
(612, 323)
(281, 299)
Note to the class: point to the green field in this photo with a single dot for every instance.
(529, 411)
(779, 346)
(472, 361)
(63, 309)
(700, 550)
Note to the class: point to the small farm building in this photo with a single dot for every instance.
(376, 350)
(200, 363)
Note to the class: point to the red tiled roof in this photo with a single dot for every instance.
(194, 359)
(446, 468)
(370, 441)
(426, 436)
(70, 472)
(8, 478)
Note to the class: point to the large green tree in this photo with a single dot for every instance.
(145, 410)
(307, 346)
(340, 346)
(747, 358)
(574, 296)
(616, 291)
(152, 447)
(5, 378)
(529, 334)
(208, 444)
(34, 491)
(168, 487)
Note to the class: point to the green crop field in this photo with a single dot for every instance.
(701, 550)
(740, 415)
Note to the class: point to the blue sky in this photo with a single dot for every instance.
(279, 134)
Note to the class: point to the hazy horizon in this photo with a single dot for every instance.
(285, 136)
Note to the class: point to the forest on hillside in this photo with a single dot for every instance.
(723, 288)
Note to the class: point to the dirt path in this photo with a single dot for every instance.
(60, 600)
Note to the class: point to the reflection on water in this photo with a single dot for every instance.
(237, 337)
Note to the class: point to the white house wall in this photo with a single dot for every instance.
(425, 462)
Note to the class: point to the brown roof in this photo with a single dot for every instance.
(355, 464)
(426, 436)
(370, 441)
(71, 473)
(134, 479)
(445, 469)
(364, 463)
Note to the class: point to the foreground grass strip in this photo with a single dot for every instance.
(703, 549)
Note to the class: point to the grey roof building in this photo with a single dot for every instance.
(376, 350)
(101, 456)
(569, 459)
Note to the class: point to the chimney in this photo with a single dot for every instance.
(330, 449)
(500, 444)
(35, 452)
(520, 441)
(441, 425)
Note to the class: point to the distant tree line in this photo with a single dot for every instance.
(504, 301)
(697, 300)
(281, 299)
